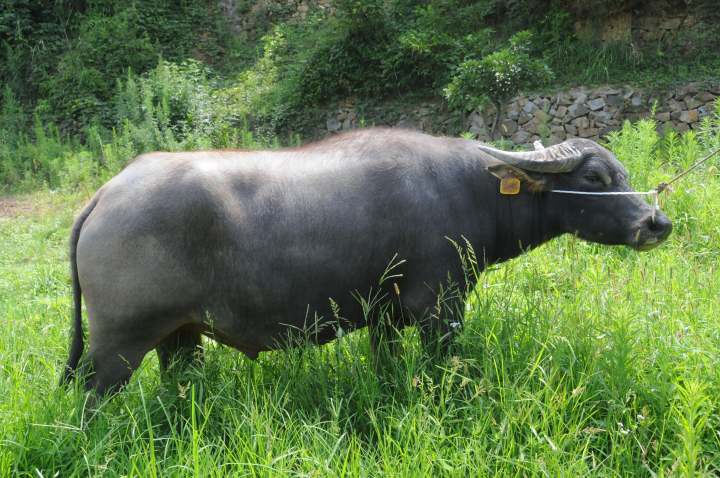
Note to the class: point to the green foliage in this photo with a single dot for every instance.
(171, 107)
(105, 48)
(438, 37)
(64, 57)
(171, 104)
(498, 76)
(684, 55)
(359, 49)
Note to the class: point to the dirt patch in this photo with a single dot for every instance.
(13, 207)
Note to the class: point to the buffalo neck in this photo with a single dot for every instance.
(521, 223)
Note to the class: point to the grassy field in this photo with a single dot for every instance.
(576, 360)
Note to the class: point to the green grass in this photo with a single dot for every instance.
(576, 359)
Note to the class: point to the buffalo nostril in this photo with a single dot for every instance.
(659, 224)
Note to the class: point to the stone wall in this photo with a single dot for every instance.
(592, 113)
(578, 112)
(642, 23)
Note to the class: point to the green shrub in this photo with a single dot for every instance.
(497, 77)
(65, 56)
(167, 107)
(105, 48)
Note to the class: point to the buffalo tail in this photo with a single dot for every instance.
(76, 344)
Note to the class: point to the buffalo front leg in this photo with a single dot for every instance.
(440, 324)
(179, 349)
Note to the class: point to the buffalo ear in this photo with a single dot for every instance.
(532, 181)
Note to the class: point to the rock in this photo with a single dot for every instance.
(570, 129)
(561, 111)
(577, 109)
(690, 116)
(532, 126)
(689, 89)
(579, 94)
(558, 132)
(524, 118)
(333, 125)
(705, 97)
(581, 123)
(606, 130)
(529, 107)
(541, 116)
(476, 119)
(615, 100)
(604, 91)
(681, 127)
(508, 127)
(520, 137)
(588, 132)
(542, 103)
(636, 100)
(477, 125)
(691, 102)
(662, 117)
(675, 115)
(664, 127)
(596, 104)
(564, 99)
(600, 116)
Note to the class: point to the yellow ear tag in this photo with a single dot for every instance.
(509, 185)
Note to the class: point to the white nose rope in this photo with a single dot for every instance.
(653, 192)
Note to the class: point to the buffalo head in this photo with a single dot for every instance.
(582, 165)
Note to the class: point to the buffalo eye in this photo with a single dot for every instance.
(593, 178)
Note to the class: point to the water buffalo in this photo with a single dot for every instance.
(244, 246)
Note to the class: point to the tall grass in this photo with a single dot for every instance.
(576, 359)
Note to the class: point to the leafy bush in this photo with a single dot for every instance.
(105, 48)
(358, 49)
(65, 56)
(497, 77)
(171, 107)
(168, 106)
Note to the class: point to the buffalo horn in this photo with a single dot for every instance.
(559, 158)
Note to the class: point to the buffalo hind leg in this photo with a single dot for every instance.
(112, 367)
(440, 326)
(436, 338)
(179, 349)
